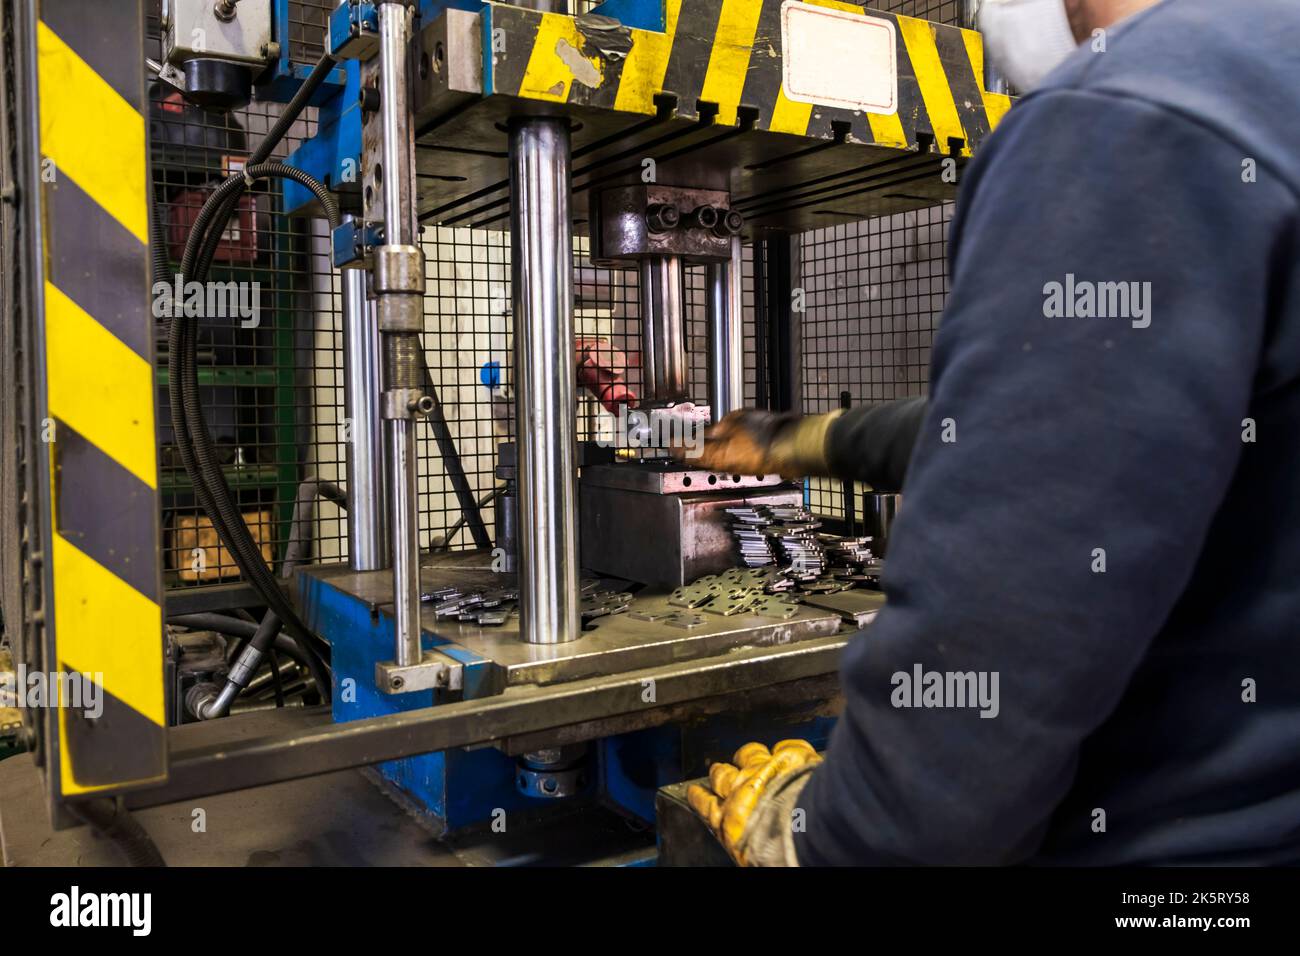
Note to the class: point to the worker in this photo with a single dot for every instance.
(1100, 519)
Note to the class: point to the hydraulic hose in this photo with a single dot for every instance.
(192, 439)
(197, 452)
(158, 244)
(221, 623)
(112, 821)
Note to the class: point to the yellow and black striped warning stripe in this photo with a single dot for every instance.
(104, 616)
(728, 54)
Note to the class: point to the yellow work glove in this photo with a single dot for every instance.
(753, 442)
(735, 791)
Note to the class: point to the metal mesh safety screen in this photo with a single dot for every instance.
(264, 373)
(272, 384)
(874, 292)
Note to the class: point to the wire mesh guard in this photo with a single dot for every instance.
(272, 381)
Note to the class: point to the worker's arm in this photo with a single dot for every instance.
(874, 443)
(1065, 476)
(871, 443)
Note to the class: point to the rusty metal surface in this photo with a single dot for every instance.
(611, 645)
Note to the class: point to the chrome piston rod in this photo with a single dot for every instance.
(541, 231)
(664, 369)
(398, 279)
(726, 358)
(369, 540)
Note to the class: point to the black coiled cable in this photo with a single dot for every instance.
(193, 441)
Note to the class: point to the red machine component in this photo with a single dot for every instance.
(238, 243)
(602, 370)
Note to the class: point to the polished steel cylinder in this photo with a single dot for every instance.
(541, 233)
(878, 513)
(665, 372)
(395, 179)
(397, 148)
(368, 518)
(406, 540)
(726, 358)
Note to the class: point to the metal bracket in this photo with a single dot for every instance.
(402, 403)
(436, 671)
(354, 31)
(352, 244)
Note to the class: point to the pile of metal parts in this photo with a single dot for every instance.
(777, 534)
(493, 607)
(785, 556)
(739, 591)
(488, 606)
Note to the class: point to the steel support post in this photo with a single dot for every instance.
(541, 229)
(726, 357)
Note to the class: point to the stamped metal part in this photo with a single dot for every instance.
(771, 606)
(651, 616)
(684, 621)
(602, 603)
(692, 596)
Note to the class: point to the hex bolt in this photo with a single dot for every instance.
(706, 217)
(662, 217)
(729, 224)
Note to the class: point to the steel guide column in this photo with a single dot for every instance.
(726, 357)
(541, 231)
(398, 275)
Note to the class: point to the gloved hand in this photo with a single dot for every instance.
(753, 442)
(748, 804)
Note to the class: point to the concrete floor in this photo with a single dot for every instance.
(338, 819)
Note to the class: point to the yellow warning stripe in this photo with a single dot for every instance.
(789, 116)
(103, 626)
(100, 623)
(556, 53)
(92, 135)
(724, 80)
(918, 36)
(646, 64)
(99, 386)
(887, 129)
(995, 104)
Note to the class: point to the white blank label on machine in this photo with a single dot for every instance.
(836, 58)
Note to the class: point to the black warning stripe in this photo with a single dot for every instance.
(83, 28)
(966, 87)
(89, 733)
(104, 615)
(949, 83)
(911, 104)
(763, 79)
(99, 508)
(518, 31)
(97, 263)
(688, 63)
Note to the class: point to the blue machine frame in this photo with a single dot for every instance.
(460, 789)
